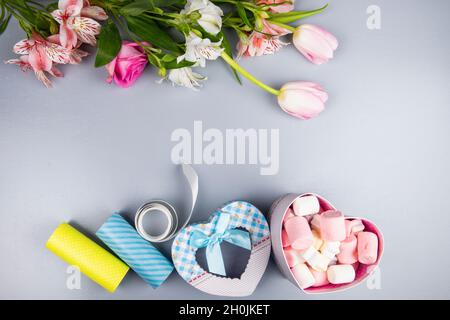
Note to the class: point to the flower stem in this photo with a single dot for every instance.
(247, 75)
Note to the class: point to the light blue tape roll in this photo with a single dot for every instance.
(150, 264)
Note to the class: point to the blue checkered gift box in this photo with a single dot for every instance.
(243, 215)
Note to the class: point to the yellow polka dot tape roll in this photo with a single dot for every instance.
(95, 262)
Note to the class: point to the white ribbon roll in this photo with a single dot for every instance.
(168, 210)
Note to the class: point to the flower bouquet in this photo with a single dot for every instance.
(177, 37)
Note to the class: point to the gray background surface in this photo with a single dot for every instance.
(380, 150)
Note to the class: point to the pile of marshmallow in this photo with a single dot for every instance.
(323, 247)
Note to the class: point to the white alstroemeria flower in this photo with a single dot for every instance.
(199, 50)
(185, 77)
(210, 14)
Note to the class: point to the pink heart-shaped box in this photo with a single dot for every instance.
(277, 214)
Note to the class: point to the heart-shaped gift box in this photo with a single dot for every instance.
(239, 223)
(277, 215)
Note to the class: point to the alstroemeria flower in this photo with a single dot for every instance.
(22, 62)
(266, 41)
(185, 77)
(40, 54)
(76, 55)
(199, 50)
(279, 6)
(210, 15)
(94, 12)
(39, 68)
(73, 26)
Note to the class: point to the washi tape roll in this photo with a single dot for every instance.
(95, 262)
(168, 211)
(139, 254)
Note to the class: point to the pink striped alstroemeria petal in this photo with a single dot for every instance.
(38, 59)
(22, 63)
(54, 71)
(67, 36)
(63, 5)
(40, 75)
(86, 29)
(57, 53)
(76, 55)
(94, 12)
(23, 46)
(57, 15)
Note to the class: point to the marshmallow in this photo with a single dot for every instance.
(330, 249)
(315, 222)
(319, 262)
(315, 259)
(306, 205)
(317, 240)
(293, 257)
(289, 214)
(353, 226)
(341, 273)
(309, 253)
(367, 247)
(299, 233)
(320, 278)
(333, 262)
(332, 226)
(348, 250)
(304, 277)
(284, 239)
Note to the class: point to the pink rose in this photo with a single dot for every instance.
(315, 43)
(128, 65)
(286, 6)
(303, 100)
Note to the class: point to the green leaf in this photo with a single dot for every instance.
(148, 30)
(292, 16)
(169, 61)
(3, 12)
(241, 11)
(109, 44)
(136, 8)
(176, 65)
(154, 60)
(4, 24)
(168, 3)
(52, 6)
(227, 48)
(41, 22)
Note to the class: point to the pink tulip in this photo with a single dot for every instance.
(128, 65)
(303, 100)
(284, 5)
(315, 43)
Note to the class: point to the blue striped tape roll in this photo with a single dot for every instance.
(150, 264)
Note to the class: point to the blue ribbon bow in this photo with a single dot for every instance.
(212, 242)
